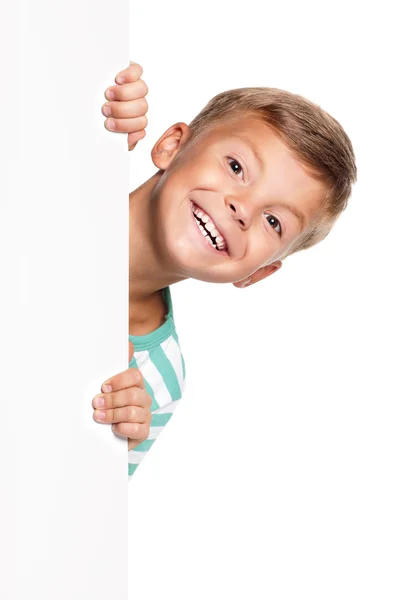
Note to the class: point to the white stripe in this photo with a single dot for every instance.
(173, 353)
(154, 432)
(135, 458)
(169, 408)
(141, 357)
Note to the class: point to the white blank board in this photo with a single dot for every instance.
(64, 302)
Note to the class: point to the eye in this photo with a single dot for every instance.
(235, 166)
(273, 221)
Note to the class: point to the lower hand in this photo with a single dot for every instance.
(127, 405)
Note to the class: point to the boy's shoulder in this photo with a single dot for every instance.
(159, 357)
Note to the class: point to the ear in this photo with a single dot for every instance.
(169, 145)
(260, 274)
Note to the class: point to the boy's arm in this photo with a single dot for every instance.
(127, 106)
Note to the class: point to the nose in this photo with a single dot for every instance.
(240, 212)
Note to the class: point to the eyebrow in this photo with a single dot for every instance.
(253, 148)
(293, 209)
(297, 213)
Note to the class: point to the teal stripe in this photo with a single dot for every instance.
(144, 446)
(165, 368)
(160, 420)
(148, 387)
(183, 366)
(132, 468)
(175, 336)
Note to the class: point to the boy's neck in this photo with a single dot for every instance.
(148, 274)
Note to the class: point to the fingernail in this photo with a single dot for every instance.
(99, 414)
(98, 402)
(110, 95)
(107, 111)
(110, 123)
(120, 79)
(107, 388)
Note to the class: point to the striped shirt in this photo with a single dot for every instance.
(158, 356)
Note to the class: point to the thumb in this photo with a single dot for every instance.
(131, 350)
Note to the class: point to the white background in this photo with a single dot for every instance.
(277, 476)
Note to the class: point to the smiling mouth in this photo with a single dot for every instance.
(208, 229)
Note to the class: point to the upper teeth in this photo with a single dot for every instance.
(210, 228)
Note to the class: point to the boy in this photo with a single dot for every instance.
(259, 174)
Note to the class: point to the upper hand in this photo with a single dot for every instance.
(129, 106)
(128, 405)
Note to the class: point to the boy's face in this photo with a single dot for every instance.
(259, 204)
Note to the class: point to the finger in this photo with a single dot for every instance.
(131, 73)
(133, 396)
(126, 414)
(125, 110)
(126, 125)
(109, 403)
(132, 377)
(128, 91)
(134, 138)
(131, 351)
(135, 431)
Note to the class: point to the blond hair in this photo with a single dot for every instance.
(314, 136)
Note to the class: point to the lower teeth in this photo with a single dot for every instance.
(207, 237)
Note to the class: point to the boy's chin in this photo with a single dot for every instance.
(193, 265)
(208, 276)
